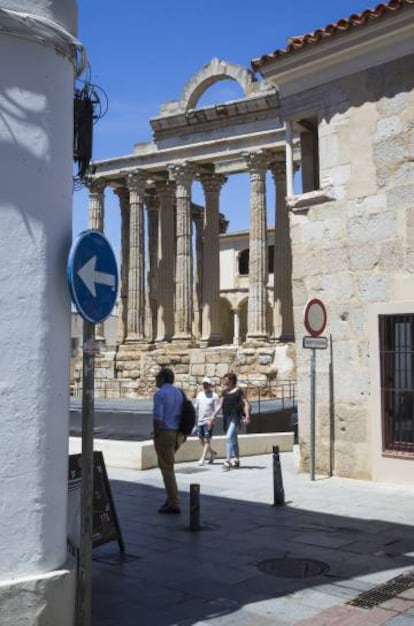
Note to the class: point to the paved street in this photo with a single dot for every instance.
(253, 564)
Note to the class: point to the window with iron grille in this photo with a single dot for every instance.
(396, 335)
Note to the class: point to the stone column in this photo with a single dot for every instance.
(96, 220)
(136, 274)
(198, 221)
(283, 304)
(258, 274)
(183, 174)
(96, 210)
(123, 195)
(236, 325)
(152, 276)
(166, 261)
(211, 334)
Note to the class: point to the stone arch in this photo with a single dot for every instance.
(215, 71)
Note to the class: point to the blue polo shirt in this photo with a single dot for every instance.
(168, 403)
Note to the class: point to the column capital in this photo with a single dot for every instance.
(165, 188)
(257, 162)
(122, 193)
(152, 201)
(182, 173)
(136, 181)
(212, 182)
(96, 185)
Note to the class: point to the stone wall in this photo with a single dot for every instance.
(355, 250)
(257, 368)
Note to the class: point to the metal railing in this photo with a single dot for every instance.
(282, 390)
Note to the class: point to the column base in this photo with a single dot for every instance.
(260, 338)
(43, 599)
(285, 338)
(185, 341)
(209, 342)
(136, 340)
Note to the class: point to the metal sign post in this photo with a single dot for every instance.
(312, 414)
(93, 284)
(86, 521)
(314, 318)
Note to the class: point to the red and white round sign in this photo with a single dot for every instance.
(314, 317)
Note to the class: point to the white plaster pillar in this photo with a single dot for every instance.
(136, 275)
(123, 195)
(96, 220)
(210, 272)
(289, 159)
(36, 151)
(166, 261)
(183, 174)
(282, 271)
(256, 313)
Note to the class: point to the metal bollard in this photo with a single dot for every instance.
(278, 491)
(194, 506)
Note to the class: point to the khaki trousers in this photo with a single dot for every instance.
(166, 444)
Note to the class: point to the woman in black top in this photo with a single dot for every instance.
(235, 408)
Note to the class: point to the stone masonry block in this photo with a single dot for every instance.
(197, 370)
(391, 256)
(197, 356)
(387, 128)
(363, 258)
(401, 198)
(374, 288)
(212, 357)
(371, 227)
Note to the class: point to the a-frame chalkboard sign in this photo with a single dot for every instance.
(105, 526)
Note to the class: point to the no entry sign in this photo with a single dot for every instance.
(314, 317)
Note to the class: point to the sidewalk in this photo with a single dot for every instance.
(333, 540)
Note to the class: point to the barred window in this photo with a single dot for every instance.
(396, 335)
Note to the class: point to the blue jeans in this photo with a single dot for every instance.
(232, 444)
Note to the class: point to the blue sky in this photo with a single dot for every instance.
(142, 54)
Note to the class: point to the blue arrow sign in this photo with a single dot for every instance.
(92, 276)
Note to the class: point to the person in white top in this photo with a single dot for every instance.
(205, 405)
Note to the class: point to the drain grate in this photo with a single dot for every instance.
(293, 568)
(386, 591)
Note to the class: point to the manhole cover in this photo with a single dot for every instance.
(293, 568)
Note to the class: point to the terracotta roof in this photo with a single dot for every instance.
(356, 20)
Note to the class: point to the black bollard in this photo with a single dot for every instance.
(194, 507)
(278, 491)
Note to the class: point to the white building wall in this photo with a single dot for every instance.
(36, 149)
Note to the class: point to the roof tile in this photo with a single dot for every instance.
(355, 20)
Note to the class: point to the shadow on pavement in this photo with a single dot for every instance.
(179, 577)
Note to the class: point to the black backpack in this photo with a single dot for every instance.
(188, 416)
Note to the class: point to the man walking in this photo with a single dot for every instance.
(168, 402)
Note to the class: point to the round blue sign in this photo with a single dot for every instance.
(92, 274)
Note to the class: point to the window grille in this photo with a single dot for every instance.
(396, 334)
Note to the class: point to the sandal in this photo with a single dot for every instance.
(235, 463)
(226, 465)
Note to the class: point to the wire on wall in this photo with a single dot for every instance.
(90, 105)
